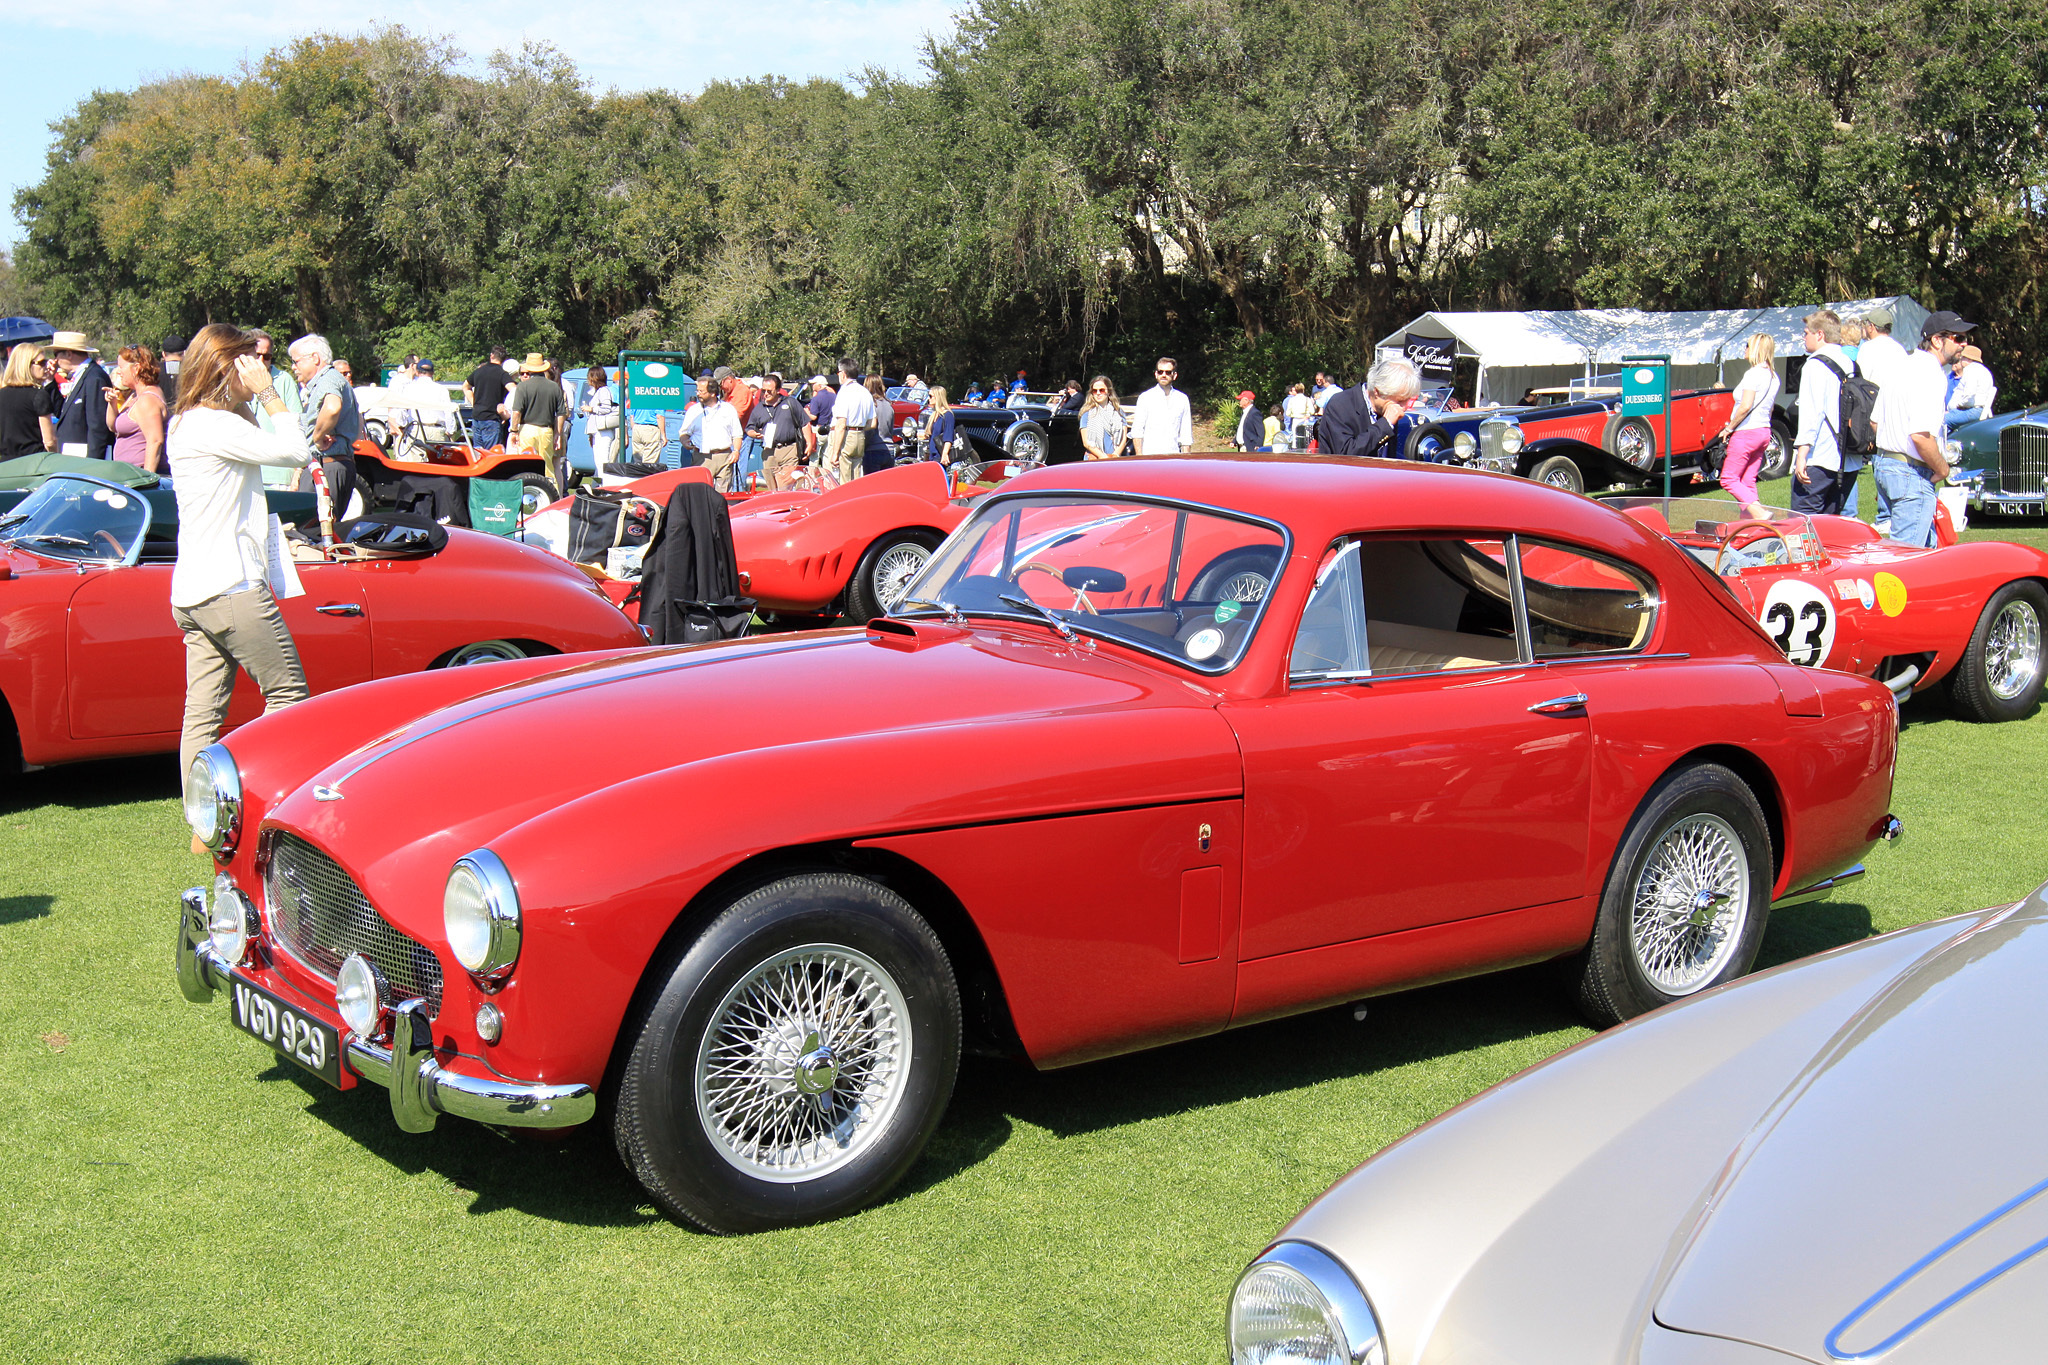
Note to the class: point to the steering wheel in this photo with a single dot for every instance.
(1764, 530)
(1081, 602)
(120, 551)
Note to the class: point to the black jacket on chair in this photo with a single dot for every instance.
(1349, 426)
(689, 582)
(83, 418)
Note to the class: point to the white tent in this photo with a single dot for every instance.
(1521, 351)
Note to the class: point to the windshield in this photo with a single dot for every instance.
(1184, 583)
(71, 517)
(1719, 535)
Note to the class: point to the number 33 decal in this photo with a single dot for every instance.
(1801, 619)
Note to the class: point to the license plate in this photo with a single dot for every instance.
(2012, 509)
(295, 1035)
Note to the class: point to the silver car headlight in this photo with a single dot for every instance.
(1511, 438)
(1466, 444)
(480, 910)
(1295, 1305)
(230, 922)
(360, 996)
(213, 799)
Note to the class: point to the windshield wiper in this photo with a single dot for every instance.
(13, 517)
(1026, 604)
(54, 539)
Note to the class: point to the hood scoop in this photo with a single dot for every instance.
(911, 636)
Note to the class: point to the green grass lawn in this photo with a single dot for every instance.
(174, 1193)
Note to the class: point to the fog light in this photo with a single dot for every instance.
(490, 1022)
(359, 996)
(231, 921)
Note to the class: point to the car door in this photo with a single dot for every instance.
(126, 655)
(1422, 766)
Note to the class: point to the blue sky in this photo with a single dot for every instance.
(59, 54)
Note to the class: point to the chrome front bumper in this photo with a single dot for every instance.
(421, 1088)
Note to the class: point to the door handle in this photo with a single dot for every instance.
(1561, 706)
(340, 609)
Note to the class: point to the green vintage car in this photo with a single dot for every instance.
(2003, 461)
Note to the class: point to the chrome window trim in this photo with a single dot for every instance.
(134, 552)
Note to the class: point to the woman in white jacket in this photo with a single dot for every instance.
(220, 589)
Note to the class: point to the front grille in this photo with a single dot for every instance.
(2022, 458)
(321, 916)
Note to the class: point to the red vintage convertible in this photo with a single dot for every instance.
(1591, 444)
(1834, 594)
(1071, 799)
(92, 666)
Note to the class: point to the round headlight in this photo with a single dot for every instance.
(1296, 1304)
(480, 911)
(1511, 438)
(359, 996)
(1465, 445)
(213, 798)
(230, 921)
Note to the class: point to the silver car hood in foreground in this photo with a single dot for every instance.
(1841, 1159)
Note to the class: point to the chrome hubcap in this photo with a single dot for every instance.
(2012, 650)
(1029, 446)
(895, 569)
(1691, 901)
(1630, 445)
(1558, 478)
(803, 1062)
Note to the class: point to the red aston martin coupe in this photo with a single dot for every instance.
(1082, 792)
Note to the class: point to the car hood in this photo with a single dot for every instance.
(1893, 1199)
(503, 757)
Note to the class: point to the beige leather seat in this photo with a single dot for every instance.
(1421, 648)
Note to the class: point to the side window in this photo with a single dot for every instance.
(1579, 603)
(1439, 603)
(1331, 641)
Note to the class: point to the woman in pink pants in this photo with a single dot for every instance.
(1749, 427)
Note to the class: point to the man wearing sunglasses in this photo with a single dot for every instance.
(1164, 424)
(1360, 421)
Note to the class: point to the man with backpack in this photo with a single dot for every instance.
(1910, 464)
(1881, 359)
(1827, 451)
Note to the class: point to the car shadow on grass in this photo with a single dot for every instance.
(575, 1178)
(21, 909)
(90, 786)
(1803, 930)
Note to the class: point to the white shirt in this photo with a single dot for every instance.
(721, 429)
(217, 458)
(1975, 390)
(1164, 424)
(1879, 358)
(1295, 406)
(854, 406)
(1911, 400)
(1325, 394)
(1759, 388)
(1820, 407)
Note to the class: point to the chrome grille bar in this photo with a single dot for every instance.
(321, 916)
(2023, 459)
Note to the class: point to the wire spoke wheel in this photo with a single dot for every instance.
(803, 1063)
(894, 569)
(1690, 902)
(2012, 650)
(1630, 445)
(1243, 587)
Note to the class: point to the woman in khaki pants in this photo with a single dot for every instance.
(220, 590)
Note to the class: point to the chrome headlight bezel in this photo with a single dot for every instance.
(1512, 437)
(215, 781)
(1466, 445)
(1346, 1313)
(361, 997)
(231, 921)
(483, 925)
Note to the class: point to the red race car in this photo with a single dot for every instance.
(92, 666)
(1074, 798)
(1590, 444)
(1834, 594)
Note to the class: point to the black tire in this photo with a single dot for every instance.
(539, 491)
(1632, 441)
(1237, 576)
(484, 652)
(667, 1120)
(1778, 454)
(1027, 440)
(1428, 442)
(2000, 674)
(1559, 471)
(1625, 971)
(885, 572)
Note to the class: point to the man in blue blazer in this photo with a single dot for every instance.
(82, 420)
(1361, 421)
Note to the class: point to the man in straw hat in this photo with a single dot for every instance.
(82, 420)
(537, 404)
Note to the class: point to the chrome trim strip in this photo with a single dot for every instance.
(1818, 889)
(193, 981)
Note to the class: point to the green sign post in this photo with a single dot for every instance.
(656, 381)
(1646, 392)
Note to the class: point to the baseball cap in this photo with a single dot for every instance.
(1881, 316)
(425, 367)
(1246, 397)
(1945, 321)
(817, 379)
(173, 345)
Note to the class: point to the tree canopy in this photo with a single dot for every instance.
(1260, 187)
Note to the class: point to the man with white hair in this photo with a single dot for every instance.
(327, 415)
(1360, 421)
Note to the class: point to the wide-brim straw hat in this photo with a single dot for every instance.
(71, 341)
(535, 363)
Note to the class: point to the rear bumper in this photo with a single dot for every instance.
(422, 1089)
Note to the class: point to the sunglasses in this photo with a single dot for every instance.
(1098, 389)
(1166, 371)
